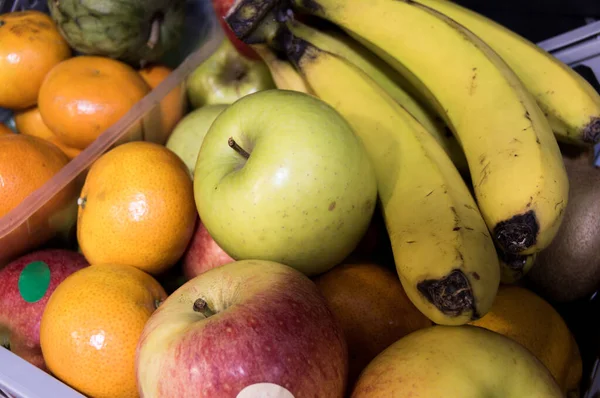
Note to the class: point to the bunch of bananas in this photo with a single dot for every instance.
(435, 90)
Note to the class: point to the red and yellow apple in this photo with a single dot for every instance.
(241, 330)
(25, 287)
(203, 253)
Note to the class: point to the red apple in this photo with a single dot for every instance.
(221, 8)
(241, 330)
(203, 253)
(25, 287)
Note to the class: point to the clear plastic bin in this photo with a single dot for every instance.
(31, 223)
(37, 219)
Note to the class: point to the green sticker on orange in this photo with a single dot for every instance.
(34, 281)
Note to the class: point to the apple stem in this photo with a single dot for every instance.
(237, 148)
(201, 306)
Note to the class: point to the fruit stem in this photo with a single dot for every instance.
(237, 148)
(154, 33)
(200, 305)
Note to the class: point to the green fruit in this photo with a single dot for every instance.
(132, 31)
(305, 194)
(186, 139)
(225, 77)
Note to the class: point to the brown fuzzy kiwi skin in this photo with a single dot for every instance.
(569, 268)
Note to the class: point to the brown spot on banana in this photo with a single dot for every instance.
(591, 132)
(517, 233)
(473, 82)
(451, 294)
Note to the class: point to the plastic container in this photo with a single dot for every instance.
(37, 220)
(31, 224)
(577, 47)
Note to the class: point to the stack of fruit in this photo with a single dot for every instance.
(358, 200)
(66, 82)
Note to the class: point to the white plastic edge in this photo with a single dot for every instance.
(21, 379)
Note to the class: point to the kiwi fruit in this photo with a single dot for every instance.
(569, 268)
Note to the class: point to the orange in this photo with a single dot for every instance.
(531, 321)
(91, 326)
(30, 45)
(4, 129)
(29, 122)
(173, 105)
(137, 208)
(83, 96)
(26, 163)
(372, 307)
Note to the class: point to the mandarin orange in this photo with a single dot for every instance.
(91, 326)
(173, 105)
(83, 96)
(30, 46)
(29, 122)
(137, 208)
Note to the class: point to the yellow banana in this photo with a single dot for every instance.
(513, 267)
(516, 168)
(568, 100)
(284, 75)
(444, 255)
(388, 79)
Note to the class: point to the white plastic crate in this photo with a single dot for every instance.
(577, 47)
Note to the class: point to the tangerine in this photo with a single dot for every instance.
(30, 46)
(137, 208)
(83, 96)
(172, 106)
(91, 326)
(26, 164)
(527, 318)
(30, 122)
(371, 305)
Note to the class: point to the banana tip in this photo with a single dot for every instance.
(518, 233)
(452, 294)
(591, 132)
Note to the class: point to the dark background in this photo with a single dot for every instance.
(537, 20)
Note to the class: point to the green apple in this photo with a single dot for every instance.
(281, 176)
(225, 77)
(187, 136)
